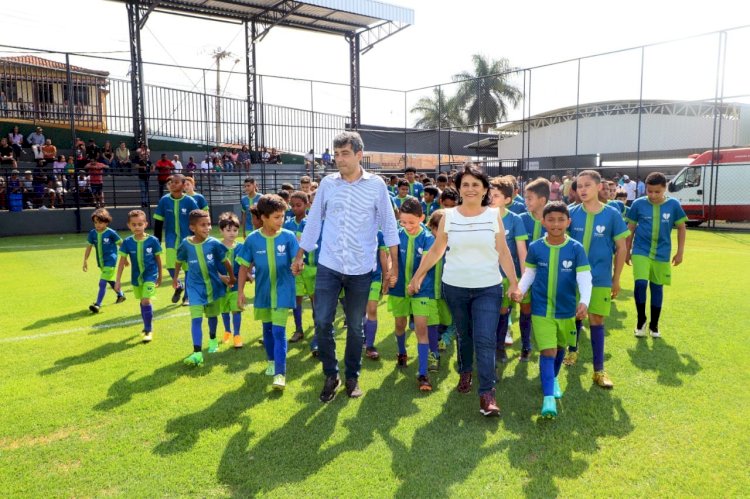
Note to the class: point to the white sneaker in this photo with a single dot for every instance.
(654, 334)
(508, 339)
(640, 333)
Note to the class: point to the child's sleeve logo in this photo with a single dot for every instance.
(567, 264)
(600, 229)
(281, 248)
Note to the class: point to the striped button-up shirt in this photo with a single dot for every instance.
(353, 212)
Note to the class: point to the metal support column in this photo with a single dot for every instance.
(354, 74)
(135, 23)
(252, 84)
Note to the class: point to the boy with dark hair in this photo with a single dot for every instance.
(106, 242)
(247, 201)
(144, 252)
(299, 202)
(403, 193)
(229, 226)
(442, 182)
(598, 229)
(202, 255)
(430, 203)
(449, 198)
(416, 189)
(651, 220)
(557, 266)
(415, 242)
(393, 185)
(173, 216)
(518, 205)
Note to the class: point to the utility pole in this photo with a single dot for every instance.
(218, 55)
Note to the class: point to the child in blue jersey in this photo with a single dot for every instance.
(612, 197)
(304, 284)
(144, 252)
(414, 243)
(501, 197)
(270, 251)
(449, 198)
(403, 193)
(172, 215)
(651, 220)
(430, 203)
(536, 196)
(379, 276)
(229, 225)
(247, 201)
(599, 229)
(392, 185)
(416, 189)
(556, 265)
(446, 328)
(518, 204)
(105, 242)
(622, 198)
(201, 255)
(200, 200)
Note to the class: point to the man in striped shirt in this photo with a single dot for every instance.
(354, 204)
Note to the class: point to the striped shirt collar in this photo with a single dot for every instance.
(365, 176)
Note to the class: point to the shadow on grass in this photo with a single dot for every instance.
(94, 355)
(72, 316)
(664, 359)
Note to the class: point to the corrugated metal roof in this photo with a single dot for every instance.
(330, 16)
(39, 62)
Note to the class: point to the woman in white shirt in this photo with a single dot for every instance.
(472, 282)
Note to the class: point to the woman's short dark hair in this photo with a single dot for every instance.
(470, 169)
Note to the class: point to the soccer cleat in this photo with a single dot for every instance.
(570, 358)
(487, 404)
(501, 356)
(194, 359)
(525, 355)
(329, 388)
(271, 368)
(237, 340)
(213, 345)
(227, 337)
(424, 384)
(557, 391)
(549, 407)
(654, 334)
(94, 308)
(279, 382)
(464, 383)
(433, 362)
(120, 299)
(176, 295)
(441, 345)
(601, 379)
(314, 351)
(372, 353)
(401, 360)
(352, 388)
(185, 301)
(297, 336)
(508, 338)
(147, 337)
(640, 332)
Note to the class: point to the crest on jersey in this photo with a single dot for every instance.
(665, 216)
(507, 231)
(210, 257)
(281, 248)
(149, 250)
(106, 239)
(567, 264)
(600, 229)
(419, 250)
(183, 210)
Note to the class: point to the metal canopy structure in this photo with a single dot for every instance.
(363, 23)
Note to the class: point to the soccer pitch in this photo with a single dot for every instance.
(90, 411)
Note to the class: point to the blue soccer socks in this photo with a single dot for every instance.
(597, 346)
(147, 313)
(279, 349)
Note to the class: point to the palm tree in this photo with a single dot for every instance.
(486, 93)
(438, 111)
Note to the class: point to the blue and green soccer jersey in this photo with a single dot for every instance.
(618, 205)
(517, 207)
(105, 243)
(436, 292)
(175, 213)
(142, 254)
(652, 236)
(597, 232)
(246, 203)
(534, 227)
(200, 200)
(202, 261)
(416, 190)
(232, 256)
(272, 258)
(429, 209)
(514, 231)
(553, 294)
(311, 257)
(411, 249)
(397, 200)
(377, 274)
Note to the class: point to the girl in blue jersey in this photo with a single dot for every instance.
(270, 251)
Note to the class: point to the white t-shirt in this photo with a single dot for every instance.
(630, 188)
(177, 165)
(472, 260)
(205, 165)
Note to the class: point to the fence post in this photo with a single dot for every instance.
(71, 118)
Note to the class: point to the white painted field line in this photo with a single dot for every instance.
(128, 322)
(81, 244)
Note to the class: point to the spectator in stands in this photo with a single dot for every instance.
(274, 158)
(14, 183)
(206, 165)
(226, 162)
(143, 172)
(234, 158)
(190, 167)
(6, 154)
(92, 150)
(163, 169)
(28, 188)
(630, 187)
(36, 140)
(58, 167)
(80, 155)
(309, 160)
(16, 141)
(70, 173)
(640, 188)
(144, 154)
(244, 159)
(49, 151)
(108, 154)
(326, 157)
(96, 181)
(266, 156)
(177, 163)
(82, 185)
(56, 191)
(218, 170)
(122, 156)
(39, 185)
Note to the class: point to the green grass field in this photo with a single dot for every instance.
(90, 411)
